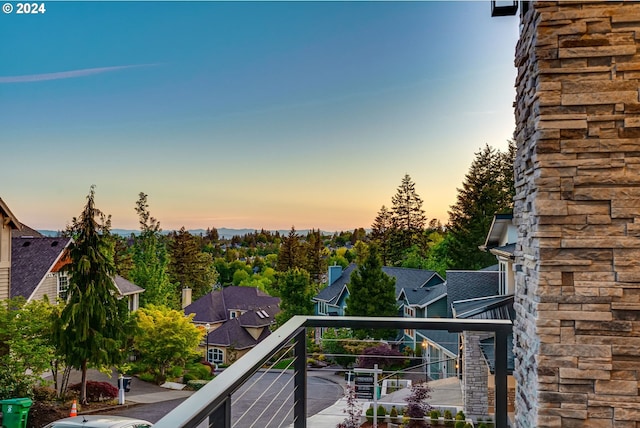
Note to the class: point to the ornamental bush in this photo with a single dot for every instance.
(97, 391)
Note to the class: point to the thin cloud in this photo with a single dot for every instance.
(66, 74)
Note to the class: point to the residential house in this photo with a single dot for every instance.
(37, 269)
(8, 223)
(236, 319)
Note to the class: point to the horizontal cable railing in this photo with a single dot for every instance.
(211, 406)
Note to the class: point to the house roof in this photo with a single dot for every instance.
(262, 317)
(406, 278)
(411, 278)
(31, 260)
(499, 224)
(491, 307)
(332, 293)
(424, 295)
(232, 333)
(464, 285)
(126, 287)
(25, 231)
(13, 221)
(488, 351)
(215, 306)
(506, 251)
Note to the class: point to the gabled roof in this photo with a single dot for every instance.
(332, 293)
(215, 306)
(425, 295)
(13, 221)
(464, 285)
(31, 260)
(232, 333)
(411, 278)
(126, 287)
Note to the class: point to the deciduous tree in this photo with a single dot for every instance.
(295, 292)
(164, 338)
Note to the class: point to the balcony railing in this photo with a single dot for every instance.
(211, 406)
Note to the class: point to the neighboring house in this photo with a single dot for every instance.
(500, 242)
(236, 319)
(8, 223)
(37, 270)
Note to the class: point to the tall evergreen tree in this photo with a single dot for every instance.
(188, 266)
(382, 230)
(372, 294)
(289, 256)
(151, 261)
(91, 329)
(408, 220)
(487, 190)
(316, 261)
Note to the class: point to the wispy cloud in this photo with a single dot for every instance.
(66, 74)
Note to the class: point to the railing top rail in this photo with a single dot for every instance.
(448, 324)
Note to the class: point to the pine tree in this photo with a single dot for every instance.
(289, 256)
(408, 221)
(315, 263)
(382, 229)
(372, 293)
(188, 266)
(487, 190)
(91, 327)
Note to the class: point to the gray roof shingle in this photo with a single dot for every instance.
(31, 259)
(464, 285)
(215, 306)
(126, 287)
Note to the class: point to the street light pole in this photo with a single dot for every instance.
(207, 327)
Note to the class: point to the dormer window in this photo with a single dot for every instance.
(234, 314)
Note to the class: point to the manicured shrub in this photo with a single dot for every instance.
(434, 415)
(393, 414)
(381, 413)
(448, 418)
(460, 424)
(97, 391)
(44, 393)
(460, 416)
(369, 414)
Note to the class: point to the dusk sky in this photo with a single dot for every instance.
(248, 114)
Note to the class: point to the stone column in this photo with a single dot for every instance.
(577, 208)
(476, 375)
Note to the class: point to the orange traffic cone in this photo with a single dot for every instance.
(74, 409)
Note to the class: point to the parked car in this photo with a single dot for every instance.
(99, 421)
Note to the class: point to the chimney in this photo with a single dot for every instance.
(335, 272)
(186, 297)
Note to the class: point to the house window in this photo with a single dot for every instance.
(63, 285)
(409, 312)
(216, 355)
(234, 314)
(410, 332)
(323, 308)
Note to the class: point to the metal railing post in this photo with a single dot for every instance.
(501, 378)
(221, 417)
(300, 380)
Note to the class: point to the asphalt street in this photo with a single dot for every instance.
(267, 397)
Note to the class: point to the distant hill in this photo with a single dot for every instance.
(223, 232)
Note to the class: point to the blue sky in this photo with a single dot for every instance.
(248, 114)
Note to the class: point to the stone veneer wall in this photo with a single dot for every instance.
(577, 208)
(475, 376)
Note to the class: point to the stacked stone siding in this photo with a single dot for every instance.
(476, 376)
(577, 208)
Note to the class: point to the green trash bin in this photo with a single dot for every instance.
(15, 412)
